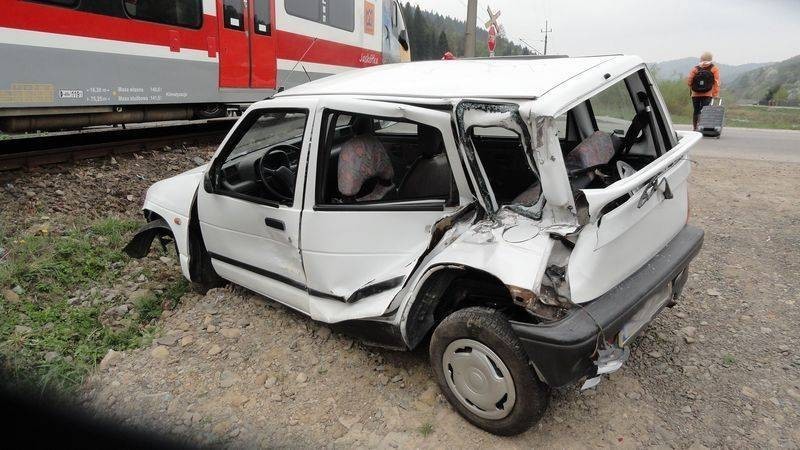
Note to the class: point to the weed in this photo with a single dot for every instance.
(426, 429)
(174, 292)
(728, 360)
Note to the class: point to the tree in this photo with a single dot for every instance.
(442, 45)
(781, 96)
(420, 36)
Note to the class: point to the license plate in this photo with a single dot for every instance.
(642, 317)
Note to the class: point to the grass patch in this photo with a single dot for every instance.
(45, 341)
(763, 117)
(754, 117)
(728, 360)
(426, 429)
(54, 265)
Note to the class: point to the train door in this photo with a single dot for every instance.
(247, 43)
(263, 55)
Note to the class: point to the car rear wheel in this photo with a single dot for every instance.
(484, 373)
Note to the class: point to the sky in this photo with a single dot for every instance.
(735, 31)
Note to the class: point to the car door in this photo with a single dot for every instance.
(357, 256)
(251, 233)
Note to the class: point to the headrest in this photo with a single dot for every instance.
(430, 141)
(594, 151)
(361, 159)
(362, 125)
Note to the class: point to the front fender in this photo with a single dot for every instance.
(171, 201)
(140, 244)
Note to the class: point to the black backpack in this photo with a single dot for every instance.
(703, 80)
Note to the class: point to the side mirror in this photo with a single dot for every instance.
(403, 39)
(208, 185)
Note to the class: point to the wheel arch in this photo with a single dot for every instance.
(448, 288)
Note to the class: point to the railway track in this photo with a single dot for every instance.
(34, 151)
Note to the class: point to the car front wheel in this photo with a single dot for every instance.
(484, 373)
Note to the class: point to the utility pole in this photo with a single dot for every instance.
(547, 30)
(469, 33)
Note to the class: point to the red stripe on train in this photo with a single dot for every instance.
(295, 47)
(292, 46)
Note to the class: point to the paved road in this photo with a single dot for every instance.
(752, 144)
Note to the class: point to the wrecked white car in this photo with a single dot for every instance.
(527, 217)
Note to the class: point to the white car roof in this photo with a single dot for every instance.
(520, 78)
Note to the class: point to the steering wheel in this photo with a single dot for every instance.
(276, 171)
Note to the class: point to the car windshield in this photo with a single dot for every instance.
(270, 129)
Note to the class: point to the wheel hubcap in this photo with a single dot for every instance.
(479, 379)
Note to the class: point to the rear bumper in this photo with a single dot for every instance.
(562, 351)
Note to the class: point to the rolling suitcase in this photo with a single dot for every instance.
(712, 119)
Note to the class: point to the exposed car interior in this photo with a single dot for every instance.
(262, 161)
(371, 160)
(503, 159)
(608, 137)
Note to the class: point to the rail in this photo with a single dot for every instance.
(16, 153)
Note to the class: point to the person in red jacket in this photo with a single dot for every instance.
(704, 82)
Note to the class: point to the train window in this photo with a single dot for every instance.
(262, 17)
(341, 14)
(68, 3)
(184, 13)
(336, 13)
(233, 14)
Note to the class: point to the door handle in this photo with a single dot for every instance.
(274, 223)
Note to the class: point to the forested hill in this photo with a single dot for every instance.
(432, 35)
(677, 69)
(778, 83)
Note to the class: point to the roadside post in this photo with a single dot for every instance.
(493, 28)
(492, 43)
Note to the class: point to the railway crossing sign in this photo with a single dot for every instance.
(493, 27)
(492, 18)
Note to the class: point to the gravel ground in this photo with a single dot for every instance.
(231, 368)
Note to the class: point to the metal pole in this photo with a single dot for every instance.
(546, 31)
(469, 33)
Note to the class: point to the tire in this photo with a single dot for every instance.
(469, 339)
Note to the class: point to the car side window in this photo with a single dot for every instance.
(613, 108)
(260, 161)
(372, 160)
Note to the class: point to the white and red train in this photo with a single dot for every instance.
(76, 63)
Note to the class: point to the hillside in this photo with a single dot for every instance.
(433, 34)
(779, 83)
(679, 68)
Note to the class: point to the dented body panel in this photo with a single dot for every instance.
(634, 231)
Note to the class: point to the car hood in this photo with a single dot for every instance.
(177, 193)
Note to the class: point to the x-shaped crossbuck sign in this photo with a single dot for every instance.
(492, 18)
